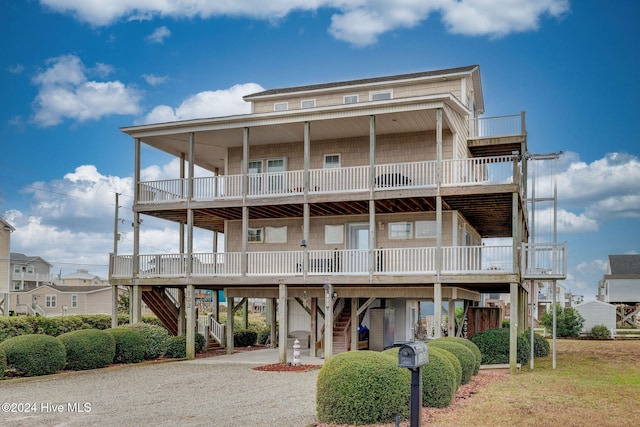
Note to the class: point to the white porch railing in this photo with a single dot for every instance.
(499, 126)
(472, 171)
(544, 260)
(422, 260)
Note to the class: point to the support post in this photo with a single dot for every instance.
(182, 314)
(513, 328)
(191, 321)
(354, 324)
(314, 327)
(282, 316)
(452, 317)
(328, 321)
(437, 310)
(273, 324)
(229, 325)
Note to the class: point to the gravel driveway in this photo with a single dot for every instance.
(203, 392)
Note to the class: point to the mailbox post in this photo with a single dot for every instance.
(413, 356)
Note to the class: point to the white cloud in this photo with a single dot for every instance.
(159, 35)
(218, 103)
(65, 92)
(16, 69)
(359, 22)
(154, 80)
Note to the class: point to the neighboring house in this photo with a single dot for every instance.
(596, 313)
(5, 264)
(347, 204)
(621, 286)
(29, 272)
(82, 277)
(59, 300)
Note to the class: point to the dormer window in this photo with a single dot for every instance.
(308, 103)
(350, 99)
(281, 106)
(381, 95)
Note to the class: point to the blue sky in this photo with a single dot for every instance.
(74, 72)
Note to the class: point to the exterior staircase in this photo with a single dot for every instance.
(163, 306)
(342, 331)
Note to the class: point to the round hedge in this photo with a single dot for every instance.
(177, 347)
(88, 349)
(494, 346)
(3, 362)
(471, 346)
(439, 382)
(464, 355)
(457, 367)
(541, 347)
(130, 346)
(156, 339)
(362, 387)
(34, 354)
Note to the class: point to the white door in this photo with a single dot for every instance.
(357, 257)
(255, 176)
(276, 171)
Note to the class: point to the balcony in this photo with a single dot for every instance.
(544, 261)
(462, 172)
(348, 262)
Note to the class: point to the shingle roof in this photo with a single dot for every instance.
(362, 81)
(624, 264)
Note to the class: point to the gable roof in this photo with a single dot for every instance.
(67, 289)
(81, 275)
(6, 224)
(470, 69)
(18, 258)
(624, 264)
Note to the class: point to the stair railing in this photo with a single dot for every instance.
(217, 331)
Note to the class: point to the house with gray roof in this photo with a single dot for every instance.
(621, 286)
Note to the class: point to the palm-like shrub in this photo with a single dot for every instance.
(88, 349)
(130, 345)
(362, 387)
(156, 339)
(34, 354)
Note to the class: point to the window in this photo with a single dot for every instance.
(17, 269)
(74, 301)
(333, 234)
(350, 99)
(276, 234)
(308, 103)
(256, 235)
(400, 230)
(331, 161)
(380, 95)
(30, 269)
(281, 106)
(425, 229)
(50, 301)
(17, 285)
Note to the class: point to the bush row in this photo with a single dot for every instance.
(40, 354)
(494, 346)
(367, 387)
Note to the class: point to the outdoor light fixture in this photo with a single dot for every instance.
(303, 243)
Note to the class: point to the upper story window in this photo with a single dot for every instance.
(308, 103)
(256, 235)
(281, 106)
(380, 95)
(30, 269)
(331, 161)
(351, 99)
(400, 230)
(17, 268)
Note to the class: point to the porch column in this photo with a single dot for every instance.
(306, 215)
(272, 322)
(229, 325)
(215, 305)
(190, 310)
(245, 191)
(182, 324)
(354, 324)
(313, 336)
(451, 327)
(372, 203)
(282, 316)
(328, 321)
(245, 314)
(437, 310)
(513, 328)
(135, 296)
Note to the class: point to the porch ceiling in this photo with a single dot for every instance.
(490, 214)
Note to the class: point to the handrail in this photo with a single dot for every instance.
(217, 331)
(497, 126)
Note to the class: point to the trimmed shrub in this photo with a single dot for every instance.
(457, 367)
(177, 347)
(264, 336)
(14, 326)
(439, 382)
(362, 387)
(156, 339)
(199, 342)
(569, 322)
(471, 346)
(541, 347)
(88, 349)
(600, 332)
(130, 346)
(34, 354)
(464, 355)
(3, 362)
(245, 338)
(494, 346)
